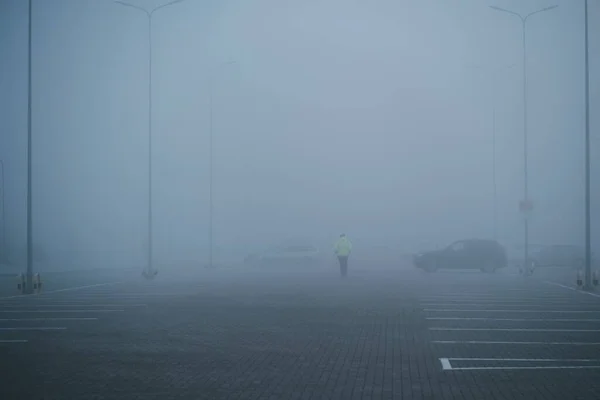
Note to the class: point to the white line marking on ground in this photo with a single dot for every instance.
(513, 329)
(136, 295)
(512, 319)
(50, 319)
(571, 288)
(509, 311)
(34, 328)
(524, 368)
(508, 303)
(445, 364)
(58, 311)
(525, 359)
(493, 298)
(70, 305)
(62, 290)
(500, 304)
(14, 341)
(518, 343)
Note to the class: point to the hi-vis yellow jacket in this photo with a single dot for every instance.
(343, 247)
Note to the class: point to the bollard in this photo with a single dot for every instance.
(37, 283)
(21, 283)
(595, 278)
(579, 278)
(149, 274)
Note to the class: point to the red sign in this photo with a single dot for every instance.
(525, 205)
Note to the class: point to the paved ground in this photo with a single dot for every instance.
(62, 280)
(384, 333)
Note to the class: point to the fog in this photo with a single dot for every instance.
(369, 118)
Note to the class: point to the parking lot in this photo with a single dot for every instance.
(380, 334)
(539, 326)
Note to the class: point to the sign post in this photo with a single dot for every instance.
(525, 207)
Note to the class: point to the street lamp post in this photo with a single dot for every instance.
(29, 274)
(2, 208)
(494, 72)
(588, 216)
(210, 160)
(149, 14)
(524, 19)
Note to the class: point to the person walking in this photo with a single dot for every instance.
(343, 248)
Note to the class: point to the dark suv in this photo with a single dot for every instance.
(485, 255)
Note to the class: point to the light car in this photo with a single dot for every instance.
(298, 255)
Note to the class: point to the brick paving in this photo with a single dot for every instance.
(289, 335)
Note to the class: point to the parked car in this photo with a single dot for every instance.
(516, 253)
(485, 255)
(559, 256)
(295, 254)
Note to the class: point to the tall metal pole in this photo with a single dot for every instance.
(3, 208)
(525, 146)
(150, 236)
(29, 279)
(211, 163)
(588, 216)
(525, 130)
(210, 173)
(150, 267)
(495, 186)
(494, 76)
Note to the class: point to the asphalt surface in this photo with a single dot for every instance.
(383, 333)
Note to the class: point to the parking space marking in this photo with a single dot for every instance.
(50, 319)
(516, 343)
(509, 311)
(13, 341)
(492, 298)
(512, 319)
(572, 288)
(526, 368)
(34, 328)
(447, 365)
(61, 290)
(58, 311)
(436, 328)
(70, 305)
(501, 304)
(126, 295)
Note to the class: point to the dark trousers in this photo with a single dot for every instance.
(343, 265)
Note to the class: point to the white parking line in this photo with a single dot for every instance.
(50, 319)
(34, 328)
(493, 298)
(69, 305)
(78, 303)
(498, 301)
(526, 368)
(124, 295)
(512, 319)
(525, 359)
(14, 341)
(512, 329)
(58, 311)
(516, 343)
(572, 288)
(503, 305)
(447, 365)
(509, 311)
(61, 290)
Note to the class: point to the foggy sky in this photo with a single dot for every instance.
(370, 118)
